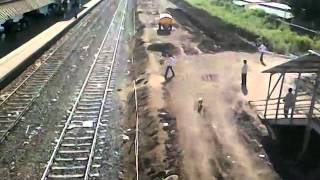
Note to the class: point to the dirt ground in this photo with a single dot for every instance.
(224, 142)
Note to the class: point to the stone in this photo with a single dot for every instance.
(88, 124)
(125, 137)
(262, 156)
(25, 143)
(172, 177)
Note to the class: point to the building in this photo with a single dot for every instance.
(276, 9)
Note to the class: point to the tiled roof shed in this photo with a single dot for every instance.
(10, 8)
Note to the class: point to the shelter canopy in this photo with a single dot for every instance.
(10, 9)
(309, 63)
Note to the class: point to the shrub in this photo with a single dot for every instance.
(259, 13)
(280, 36)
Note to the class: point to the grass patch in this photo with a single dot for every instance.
(280, 37)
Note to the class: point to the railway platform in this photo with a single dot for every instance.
(17, 60)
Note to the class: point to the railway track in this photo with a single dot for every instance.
(76, 155)
(22, 96)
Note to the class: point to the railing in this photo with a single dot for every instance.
(301, 108)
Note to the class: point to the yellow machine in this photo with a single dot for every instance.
(165, 22)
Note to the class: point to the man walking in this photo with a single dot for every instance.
(262, 49)
(169, 67)
(244, 72)
(289, 101)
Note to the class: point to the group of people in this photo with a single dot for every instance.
(244, 71)
(72, 7)
(289, 99)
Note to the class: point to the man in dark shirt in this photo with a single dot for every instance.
(289, 101)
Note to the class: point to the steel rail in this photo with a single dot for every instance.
(105, 96)
(42, 85)
(50, 162)
(35, 70)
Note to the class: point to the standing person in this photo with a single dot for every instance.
(64, 9)
(76, 9)
(262, 49)
(169, 66)
(68, 5)
(289, 101)
(244, 72)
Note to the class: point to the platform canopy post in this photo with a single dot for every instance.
(295, 97)
(310, 115)
(279, 98)
(268, 96)
(271, 92)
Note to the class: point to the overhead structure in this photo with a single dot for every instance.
(10, 9)
(277, 9)
(306, 109)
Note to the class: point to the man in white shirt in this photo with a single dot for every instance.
(262, 49)
(289, 102)
(169, 67)
(244, 72)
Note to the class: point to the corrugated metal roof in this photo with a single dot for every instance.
(309, 63)
(240, 3)
(253, 1)
(277, 5)
(16, 8)
(285, 14)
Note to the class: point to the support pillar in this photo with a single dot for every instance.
(310, 114)
(281, 87)
(268, 97)
(295, 98)
(271, 92)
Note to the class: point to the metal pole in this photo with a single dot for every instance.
(268, 97)
(295, 97)
(134, 22)
(283, 76)
(310, 114)
(274, 87)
